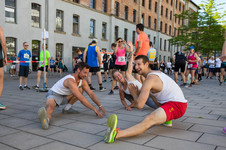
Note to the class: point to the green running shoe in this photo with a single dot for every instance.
(168, 123)
(111, 132)
(42, 115)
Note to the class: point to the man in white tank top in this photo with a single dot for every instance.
(68, 90)
(163, 90)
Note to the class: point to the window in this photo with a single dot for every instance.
(160, 57)
(171, 3)
(155, 24)
(125, 34)
(156, 7)
(36, 48)
(161, 10)
(166, 28)
(161, 26)
(143, 3)
(176, 4)
(75, 24)
(160, 43)
(93, 4)
(135, 1)
(126, 13)
(166, 12)
(170, 15)
(149, 6)
(164, 45)
(104, 30)
(169, 30)
(134, 36)
(116, 32)
(59, 50)
(76, 1)
(180, 6)
(164, 58)
(149, 21)
(92, 28)
(10, 11)
(11, 46)
(35, 15)
(169, 46)
(149, 37)
(175, 31)
(167, 1)
(117, 9)
(59, 20)
(175, 19)
(134, 15)
(183, 7)
(142, 18)
(104, 5)
(154, 40)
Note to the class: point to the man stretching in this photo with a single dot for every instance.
(68, 90)
(164, 91)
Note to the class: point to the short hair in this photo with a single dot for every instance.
(82, 65)
(113, 72)
(113, 45)
(24, 43)
(118, 38)
(150, 44)
(78, 50)
(104, 49)
(143, 57)
(140, 26)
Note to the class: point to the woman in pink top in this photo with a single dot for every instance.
(120, 63)
(192, 64)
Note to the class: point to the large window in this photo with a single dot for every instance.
(35, 54)
(59, 50)
(104, 30)
(169, 47)
(75, 24)
(133, 37)
(161, 26)
(155, 24)
(180, 6)
(154, 40)
(149, 6)
(10, 11)
(166, 28)
(171, 3)
(125, 34)
(142, 18)
(164, 45)
(170, 15)
(149, 21)
(59, 20)
(92, 28)
(166, 12)
(35, 15)
(116, 32)
(134, 15)
(104, 5)
(143, 3)
(169, 30)
(11, 46)
(160, 43)
(117, 9)
(126, 13)
(176, 4)
(93, 4)
(156, 7)
(161, 10)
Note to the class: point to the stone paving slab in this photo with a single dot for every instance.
(5, 147)
(208, 139)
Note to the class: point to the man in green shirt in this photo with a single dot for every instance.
(41, 66)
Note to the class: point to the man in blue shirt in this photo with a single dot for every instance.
(24, 55)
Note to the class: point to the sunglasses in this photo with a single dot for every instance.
(120, 41)
(26, 45)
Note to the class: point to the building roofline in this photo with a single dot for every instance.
(194, 4)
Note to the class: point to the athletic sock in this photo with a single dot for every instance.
(100, 85)
(90, 85)
(67, 107)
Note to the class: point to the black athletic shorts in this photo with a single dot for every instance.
(179, 65)
(94, 69)
(105, 67)
(1, 63)
(217, 69)
(128, 96)
(120, 67)
(24, 70)
(42, 68)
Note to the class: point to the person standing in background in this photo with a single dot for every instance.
(13, 65)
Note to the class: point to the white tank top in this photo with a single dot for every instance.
(170, 91)
(135, 82)
(59, 87)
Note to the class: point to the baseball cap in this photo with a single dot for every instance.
(95, 40)
(191, 47)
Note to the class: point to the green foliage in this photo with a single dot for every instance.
(205, 29)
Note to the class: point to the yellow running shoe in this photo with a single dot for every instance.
(111, 132)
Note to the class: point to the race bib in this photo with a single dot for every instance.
(190, 66)
(26, 56)
(121, 59)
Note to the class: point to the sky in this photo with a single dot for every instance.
(217, 2)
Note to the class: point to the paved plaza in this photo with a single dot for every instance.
(199, 129)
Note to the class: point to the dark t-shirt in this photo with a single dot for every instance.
(112, 60)
(105, 57)
(180, 56)
(13, 59)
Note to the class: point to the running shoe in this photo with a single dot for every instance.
(2, 107)
(111, 92)
(93, 89)
(224, 130)
(42, 115)
(70, 111)
(104, 81)
(111, 132)
(102, 89)
(21, 88)
(116, 87)
(26, 87)
(168, 123)
(35, 87)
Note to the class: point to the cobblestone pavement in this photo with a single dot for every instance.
(200, 128)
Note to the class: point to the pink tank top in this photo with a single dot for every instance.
(192, 57)
(120, 56)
